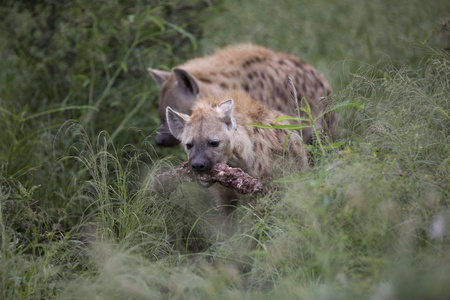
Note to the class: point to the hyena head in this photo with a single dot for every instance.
(206, 134)
(179, 90)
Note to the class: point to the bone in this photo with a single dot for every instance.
(223, 174)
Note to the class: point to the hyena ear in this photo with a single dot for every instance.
(159, 76)
(177, 122)
(226, 111)
(186, 81)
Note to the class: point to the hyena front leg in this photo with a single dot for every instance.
(224, 198)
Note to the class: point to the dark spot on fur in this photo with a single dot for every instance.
(235, 73)
(224, 86)
(247, 63)
(255, 74)
(260, 146)
(261, 112)
(272, 81)
(261, 97)
(205, 80)
(256, 130)
(245, 87)
(316, 85)
(251, 61)
(235, 151)
(278, 91)
(263, 76)
(280, 138)
(225, 74)
(250, 76)
(261, 83)
(281, 62)
(257, 115)
(298, 76)
(297, 63)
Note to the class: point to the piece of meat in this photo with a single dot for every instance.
(223, 174)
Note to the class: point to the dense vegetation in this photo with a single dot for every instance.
(78, 213)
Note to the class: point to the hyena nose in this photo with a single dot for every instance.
(198, 167)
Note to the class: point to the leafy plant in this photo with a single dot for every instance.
(309, 121)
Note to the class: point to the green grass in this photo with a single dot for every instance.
(336, 37)
(79, 214)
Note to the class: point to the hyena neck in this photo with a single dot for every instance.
(241, 149)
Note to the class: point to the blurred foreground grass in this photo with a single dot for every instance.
(78, 213)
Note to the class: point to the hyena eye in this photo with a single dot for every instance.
(213, 144)
(189, 146)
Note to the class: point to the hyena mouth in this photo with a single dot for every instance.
(205, 183)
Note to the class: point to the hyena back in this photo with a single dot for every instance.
(217, 132)
(257, 70)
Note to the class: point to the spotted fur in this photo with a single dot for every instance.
(257, 70)
(218, 132)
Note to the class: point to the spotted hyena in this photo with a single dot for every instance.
(218, 132)
(259, 71)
